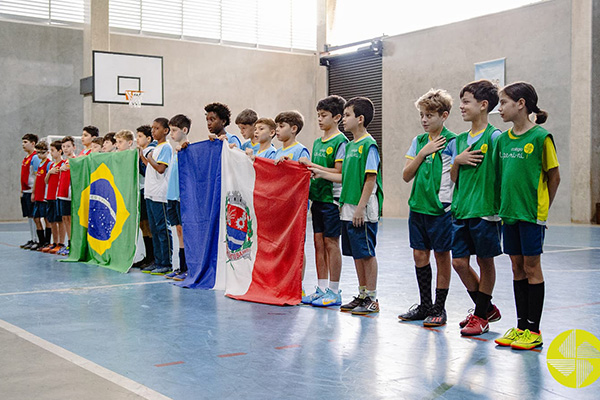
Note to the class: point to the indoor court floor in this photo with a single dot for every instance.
(75, 331)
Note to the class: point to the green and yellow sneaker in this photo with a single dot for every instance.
(509, 337)
(527, 340)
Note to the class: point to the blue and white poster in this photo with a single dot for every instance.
(494, 71)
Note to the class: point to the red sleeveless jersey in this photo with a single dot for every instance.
(52, 185)
(64, 182)
(25, 166)
(40, 185)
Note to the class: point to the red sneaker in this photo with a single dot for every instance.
(47, 248)
(475, 326)
(492, 316)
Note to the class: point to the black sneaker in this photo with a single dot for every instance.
(26, 245)
(35, 246)
(367, 306)
(417, 312)
(436, 317)
(352, 305)
(142, 263)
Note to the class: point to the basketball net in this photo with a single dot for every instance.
(134, 97)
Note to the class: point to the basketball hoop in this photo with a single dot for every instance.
(134, 97)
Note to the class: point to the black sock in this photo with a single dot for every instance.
(473, 295)
(424, 282)
(182, 264)
(48, 238)
(440, 298)
(40, 235)
(149, 248)
(536, 305)
(482, 304)
(521, 289)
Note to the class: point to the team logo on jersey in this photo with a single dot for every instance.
(329, 150)
(574, 358)
(484, 148)
(102, 210)
(528, 149)
(239, 231)
(360, 149)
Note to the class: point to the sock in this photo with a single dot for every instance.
(424, 282)
(362, 292)
(32, 229)
(372, 294)
(182, 264)
(482, 304)
(473, 295)
(536, 305)
(322, 283)
(440, 298)
(334, 286)
(48, 236)
(521, 289)
(40, 235)
(149, 248)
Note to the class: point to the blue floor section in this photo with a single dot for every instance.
(193, 344)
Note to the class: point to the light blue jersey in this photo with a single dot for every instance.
(268, 153)
(233, 139)
(249, 144)
(173, 188)
(294, 152)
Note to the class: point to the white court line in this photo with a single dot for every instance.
(76, 289)
(86, 364)
(571, 250)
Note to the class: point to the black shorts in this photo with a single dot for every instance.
(40, 209)
(26, 205)
(143, 208)
(53, 210)
(65, 207)
(173, 212)
(430, 232)
(326, 219)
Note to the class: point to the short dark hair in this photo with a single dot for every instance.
(334, 104)
(92, 130)
(181, 121)
(98, 140)
(266, 121)
(526, 91)
(221, 110)
(163, 122)
(482, 90)
(246, 117)
(293, 118)
(145, 129)
(362, 106)
(68, 139)
(41, 146)
(109, 136)
(57, 144)
(30, 137)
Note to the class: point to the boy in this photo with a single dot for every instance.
(361, 201)
(145, 144)
(263, 135)
(54, 216)
(64, 191)
(97, 144)
(88, 134)
(428, 161)
(29, 168)
(123, 140)
(218, 117)
(245, 121)
(289, 125)
(327, 155)
(109, 143)
(39, 204)
(476, 225)
(180, 127)
(157, 161)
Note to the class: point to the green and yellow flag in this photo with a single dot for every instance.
(104, 209)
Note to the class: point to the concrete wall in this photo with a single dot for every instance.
(536, 42)
(40, 67)
(595, 125)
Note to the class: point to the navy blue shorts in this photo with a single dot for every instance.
(476, 236)
(143, 208)
(173, 212)
(326, 219)
(523, 238)
(430, 232)
(26, 205)
(359, 242)
(65, 207)
(40, 209)
(53, 210)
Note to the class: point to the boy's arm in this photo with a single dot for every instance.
(553, 182)
(358, 219)
(159, 167)
(412, 165)
(467, 157)
(330, 176)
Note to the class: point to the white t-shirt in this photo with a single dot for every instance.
(156, 184)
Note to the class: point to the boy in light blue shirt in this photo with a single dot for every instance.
(245, 121)
(289, 125)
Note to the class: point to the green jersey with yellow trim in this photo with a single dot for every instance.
(324, 153)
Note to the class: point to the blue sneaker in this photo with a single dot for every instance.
(312, 297)
(160, 270)
(150, 268)
(171, 275)
(180, 277)
(329, 299)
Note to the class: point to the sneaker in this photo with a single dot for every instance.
(416, 312)
(475, 326)
(171, 275)
(352, 305)
(329, 299)
(160, 271)
(367, 306)
(436, 317)
(35, 246)
(312, 297)
(26, 245)
(64, 251)
(56, 249)
(527, 341)
(180, 277)
(492, 316)
(509, 337)
(48, 247)
(150, 268)
(143, 263)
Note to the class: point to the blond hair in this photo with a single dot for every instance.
(435, 100)
(124, 134)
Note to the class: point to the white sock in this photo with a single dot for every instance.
(32, 230)
(362, 292)
(322, 283)
(334, 286)
(372, 294)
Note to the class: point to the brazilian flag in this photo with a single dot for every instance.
(104, 209)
